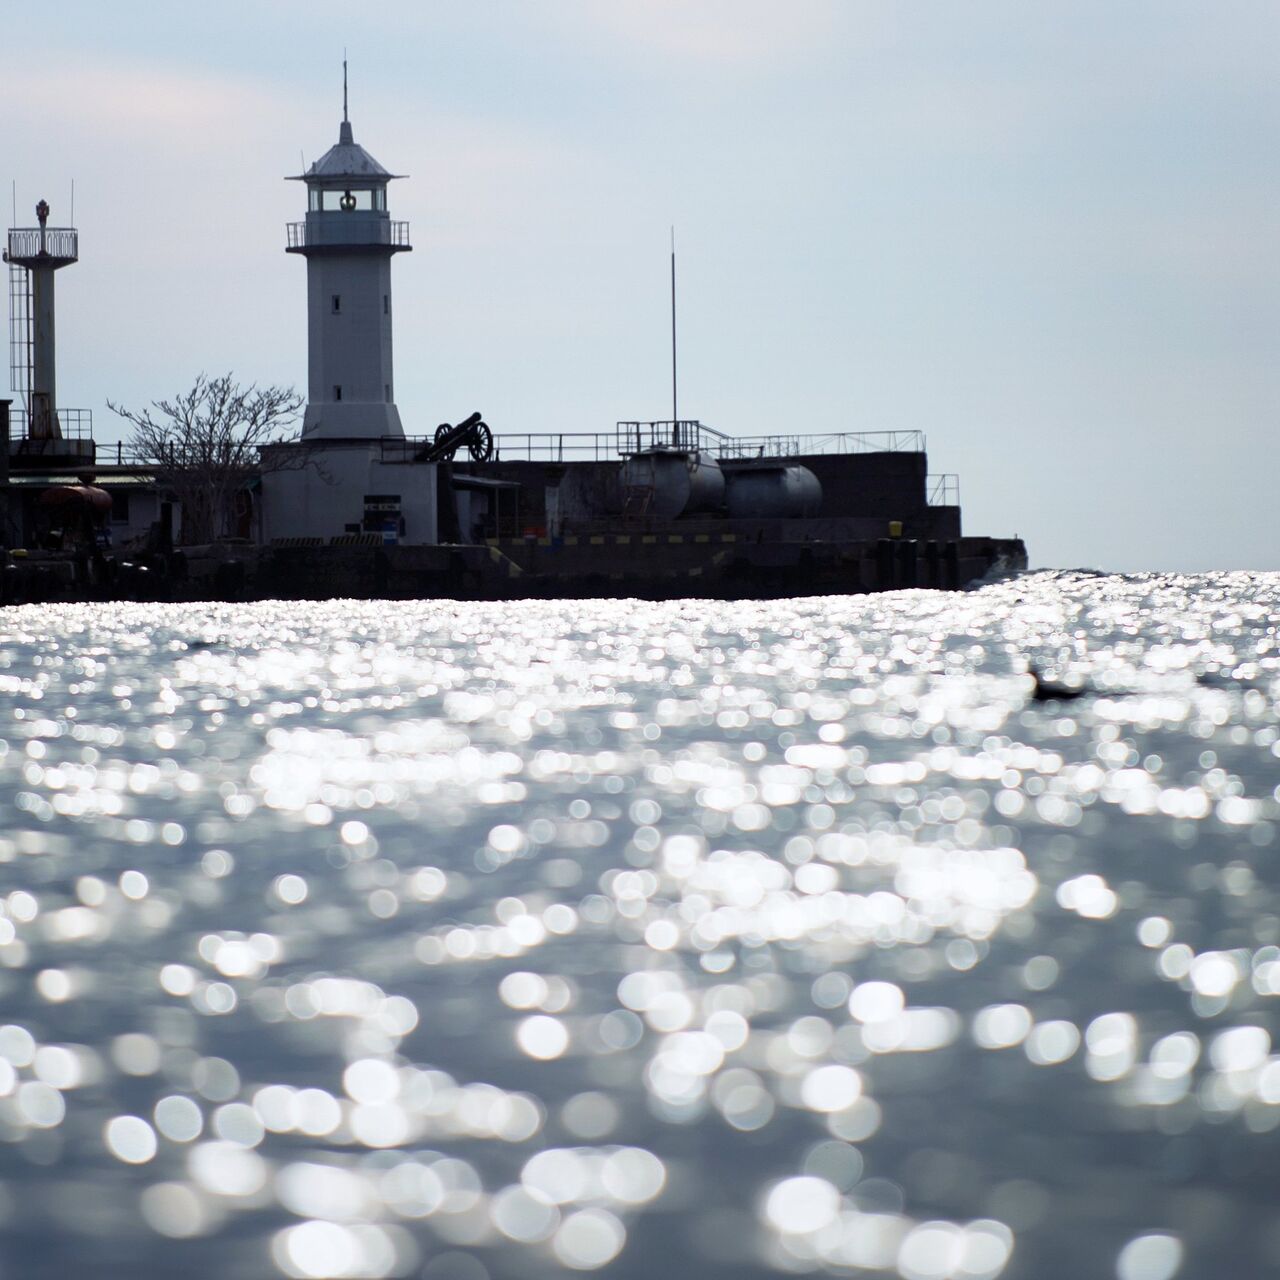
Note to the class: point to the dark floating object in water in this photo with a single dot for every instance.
(1051, 690)
(1216, 678)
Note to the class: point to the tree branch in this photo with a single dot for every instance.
(207, 444)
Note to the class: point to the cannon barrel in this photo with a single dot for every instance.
(446, 435)
(449, 439)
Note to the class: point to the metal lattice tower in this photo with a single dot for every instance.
(20, 334)
(37, 253)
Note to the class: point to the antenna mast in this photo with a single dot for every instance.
(344, 86)
(675, 411)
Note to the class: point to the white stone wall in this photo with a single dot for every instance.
(144, 511)
(322, 498)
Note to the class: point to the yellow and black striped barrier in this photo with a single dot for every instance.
(502, 560)
(357, 540)
(609, 540)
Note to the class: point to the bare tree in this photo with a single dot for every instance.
(206, 446)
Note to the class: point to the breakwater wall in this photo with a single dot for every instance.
(645, 565)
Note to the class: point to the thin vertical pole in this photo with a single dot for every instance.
(675, 406)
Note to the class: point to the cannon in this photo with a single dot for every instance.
(471, 433)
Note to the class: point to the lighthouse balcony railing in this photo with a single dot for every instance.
(349, 230)
(36, 242)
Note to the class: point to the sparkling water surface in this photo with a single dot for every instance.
(467, 941)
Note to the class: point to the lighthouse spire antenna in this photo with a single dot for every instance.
(344, 129)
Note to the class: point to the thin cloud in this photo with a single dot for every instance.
(742, 34)
(132, 103)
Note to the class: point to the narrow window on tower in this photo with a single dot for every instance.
(337, 303)
(337, 392)
(386, 305)
(386, 386)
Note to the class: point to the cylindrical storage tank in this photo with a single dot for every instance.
(682, 482)
(772, 493)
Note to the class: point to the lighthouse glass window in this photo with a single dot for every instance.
(348, 199)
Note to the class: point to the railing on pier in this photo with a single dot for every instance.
(37, 242)
(543, 446)
(833, 442)
(352, 230)
(635, 436)
(120, 453)
(628, 438)
(943, 489)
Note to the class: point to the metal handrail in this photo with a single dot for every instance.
(634, 437)
(696, 435)
(75, 424)
(669, 433)
(37, 242)
(835, 442)
(366, 231)
(122, 454)
(543, 446)
(943, 489)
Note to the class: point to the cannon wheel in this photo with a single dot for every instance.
(442, 429)
(481, 442)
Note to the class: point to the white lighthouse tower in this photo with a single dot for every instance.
(348, 240)
(345, 479)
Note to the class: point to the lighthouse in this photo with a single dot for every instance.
(348, 240)
(352, 475)
(34, 254)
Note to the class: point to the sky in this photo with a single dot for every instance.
(1046, 235)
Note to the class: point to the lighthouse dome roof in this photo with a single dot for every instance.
(346, 160)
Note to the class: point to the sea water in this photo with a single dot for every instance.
(467, 941)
